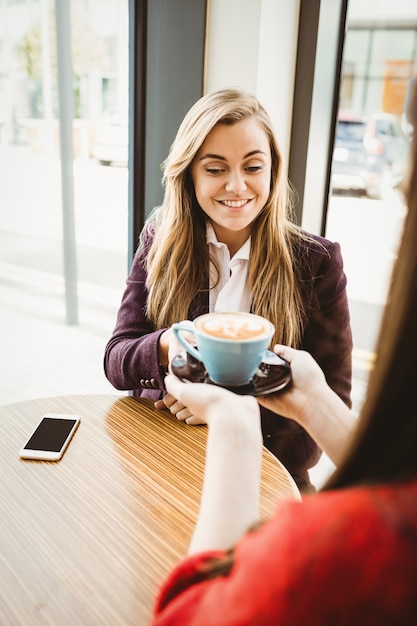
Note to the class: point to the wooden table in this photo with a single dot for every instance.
(87, 540)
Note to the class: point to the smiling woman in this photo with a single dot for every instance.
(231, 174)
(224, 240)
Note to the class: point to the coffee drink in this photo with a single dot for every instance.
(232, 326)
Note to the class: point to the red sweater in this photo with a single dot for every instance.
(338, 558)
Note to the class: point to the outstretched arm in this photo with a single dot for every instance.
(312, 403)
(230, 498)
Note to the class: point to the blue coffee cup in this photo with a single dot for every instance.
(230, 345)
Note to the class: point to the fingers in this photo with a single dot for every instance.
(197, 393)
(194, 421)
(285, 352)
(175, 407)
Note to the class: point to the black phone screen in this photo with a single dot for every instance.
(50, 434)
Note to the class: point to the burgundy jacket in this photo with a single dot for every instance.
(132, 352)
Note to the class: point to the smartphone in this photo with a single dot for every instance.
(51, 437)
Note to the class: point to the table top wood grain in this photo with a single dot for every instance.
(88, 539)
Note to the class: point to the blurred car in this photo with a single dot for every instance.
(370, 153)
(111, 139)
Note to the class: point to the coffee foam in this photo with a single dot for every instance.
(233, 327)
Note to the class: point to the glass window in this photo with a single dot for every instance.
(370, 161)
(390, 46)
(44, 351)
(356, 51)
(350, 130)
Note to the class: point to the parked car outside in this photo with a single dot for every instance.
(111, 139)
(370, 153)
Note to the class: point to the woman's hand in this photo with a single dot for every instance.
(313, 404)
(207, 403)
(180, 411)
(169, 347)
(308, 381)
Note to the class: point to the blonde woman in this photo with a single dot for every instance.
(224, 239)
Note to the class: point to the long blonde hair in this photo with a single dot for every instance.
(178, 260)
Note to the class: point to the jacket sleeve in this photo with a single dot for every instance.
(132, 351)
(328, 334)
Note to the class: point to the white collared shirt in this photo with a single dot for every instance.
(232, 292)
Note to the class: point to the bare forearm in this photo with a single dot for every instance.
(330, 423)
(230, 498)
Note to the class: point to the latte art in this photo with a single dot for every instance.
(232, 327)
